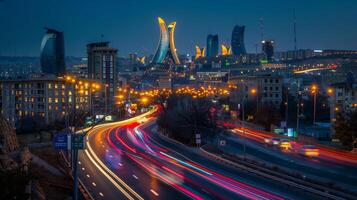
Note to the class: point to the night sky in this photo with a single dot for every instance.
(132, 25)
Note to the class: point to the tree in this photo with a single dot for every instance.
(184, 116)
(267, 114)
(346, 128)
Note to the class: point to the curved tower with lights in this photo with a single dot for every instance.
(52, 53)
(166, 48)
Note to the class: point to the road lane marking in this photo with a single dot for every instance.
(121, 165)
(104, 169)
(154, 192)
(101, 166)
(101, 194)
(135, 176)
(94, 184)
(79, 162)
(88, 175)
(83, 168)
(107, 175)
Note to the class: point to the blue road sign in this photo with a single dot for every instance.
(60, 141)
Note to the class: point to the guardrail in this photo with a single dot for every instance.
(291, 181)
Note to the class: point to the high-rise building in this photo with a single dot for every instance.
(52, 53)
(200, 52)
(226, 50)
(268, 49)
(166, 48)
(237, 42)
(102, 67)
(212, 46)
(133, 57)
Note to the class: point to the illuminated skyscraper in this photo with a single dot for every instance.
(52, 53)
(102, 67)
(212, 45)
(200, 52)
(226, 50)
(268, 49)
(166, 48)
(237, 42)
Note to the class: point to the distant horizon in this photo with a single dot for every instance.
(123, 24)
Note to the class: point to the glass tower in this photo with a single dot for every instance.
(52, 53)
(212, 46)
(237, 42)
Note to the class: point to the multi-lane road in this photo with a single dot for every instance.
(129, 160)
(330, 166)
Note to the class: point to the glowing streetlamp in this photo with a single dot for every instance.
(314, 89)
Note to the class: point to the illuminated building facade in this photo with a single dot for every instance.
(237, 42)
(102, 67)
(212, 46)
(52, 53)
(46, 98)
(200, 52)
(225, 50)
(166, 48)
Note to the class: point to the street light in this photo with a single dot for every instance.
(314, 89)
(253, 91)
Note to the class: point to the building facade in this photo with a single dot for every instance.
(47, 97)
(237, 41)
(52, 53)
(212, 46)
(268, 89)
(102, 67)
(268, 49)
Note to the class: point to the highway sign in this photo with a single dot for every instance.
(60, 141)
(78, 141)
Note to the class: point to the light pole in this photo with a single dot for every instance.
(106, 98)
(286, 108)
(243, 119)
(298, 113)
(253, 91)
(314, 92)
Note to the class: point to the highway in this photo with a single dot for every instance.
(328, 167)
(129, 160)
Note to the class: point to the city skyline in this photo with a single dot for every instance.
(123, 23)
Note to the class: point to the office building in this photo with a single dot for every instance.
(166, 51)
(102, 67)
(52, 53)
(268, 49)
(268, 89)
(212, 46)
(237, 41)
